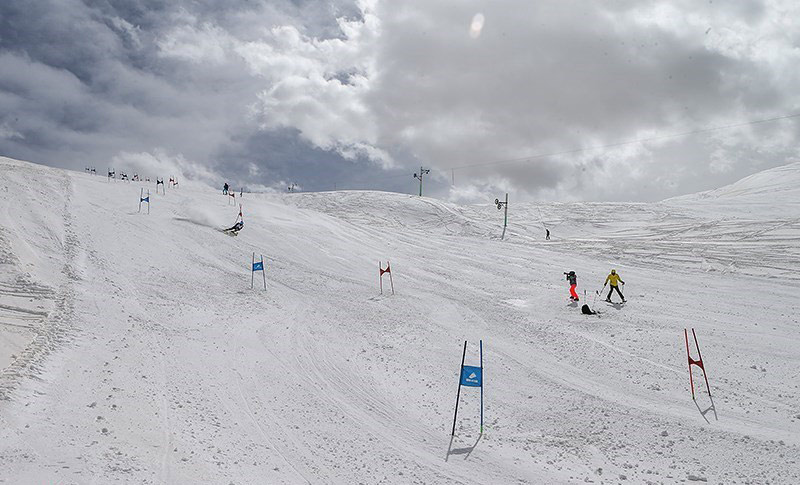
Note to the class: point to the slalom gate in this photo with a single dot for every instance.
(257, 266)
(142, 198)
(500, 205)
(161, 183)
(698, 362)
(112, 174)
(173, 182)
(380, 276)
(469, 376)
(231, 197)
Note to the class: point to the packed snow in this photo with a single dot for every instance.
(134, 350)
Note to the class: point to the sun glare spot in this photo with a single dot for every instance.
(476, 26)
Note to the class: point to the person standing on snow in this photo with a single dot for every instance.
(547, 236)
(614, 280)
(225, 189)
(573, 283)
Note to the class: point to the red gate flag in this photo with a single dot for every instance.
(382, 271)
(698, 362)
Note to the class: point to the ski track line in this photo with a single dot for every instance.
(149, 330)
(326, 392)
(331, 388)
(313, 382)
(248, 410)
(146, 329)
(625, 352)
(56, 327)
(644, 406)
(165, 418)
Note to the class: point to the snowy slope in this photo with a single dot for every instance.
(140, 353)
(781, 184)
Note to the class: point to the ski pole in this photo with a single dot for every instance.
(597, 293)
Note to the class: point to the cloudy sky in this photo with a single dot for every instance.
(360, 94)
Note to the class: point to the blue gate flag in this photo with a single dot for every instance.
(146, 199)
(471, 376)
(259, 266)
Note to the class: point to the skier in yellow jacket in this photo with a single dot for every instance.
(614, 280)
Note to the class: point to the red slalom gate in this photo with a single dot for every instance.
(698, 362)
(382, 271)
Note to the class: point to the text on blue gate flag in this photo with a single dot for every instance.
(471, 376)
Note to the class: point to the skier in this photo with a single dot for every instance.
(225, 189)
(614, 280)
(236, 227)
(573, 283)
(547, 237)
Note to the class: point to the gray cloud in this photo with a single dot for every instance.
(360, 94)
(85, 82)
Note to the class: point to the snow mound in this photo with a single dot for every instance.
(780, 184)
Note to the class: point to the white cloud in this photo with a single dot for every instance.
(471, 193)
(317, 86)
(8, 133)
(130, 30)
(203, 42)
(321, 86)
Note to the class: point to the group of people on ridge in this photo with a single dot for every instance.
(613, 280)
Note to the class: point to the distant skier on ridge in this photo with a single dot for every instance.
(573, 283)
(614, 280)
(225, 189)
(547, 236)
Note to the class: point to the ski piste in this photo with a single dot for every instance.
(319, 379)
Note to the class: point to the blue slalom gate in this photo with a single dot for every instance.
(257, 266)
(470, 376)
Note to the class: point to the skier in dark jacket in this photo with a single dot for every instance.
(573, 283)
(236, 227)
(225, 189)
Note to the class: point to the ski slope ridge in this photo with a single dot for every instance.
(780, 184)
(134, 350)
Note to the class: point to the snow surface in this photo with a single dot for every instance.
(134, 351)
